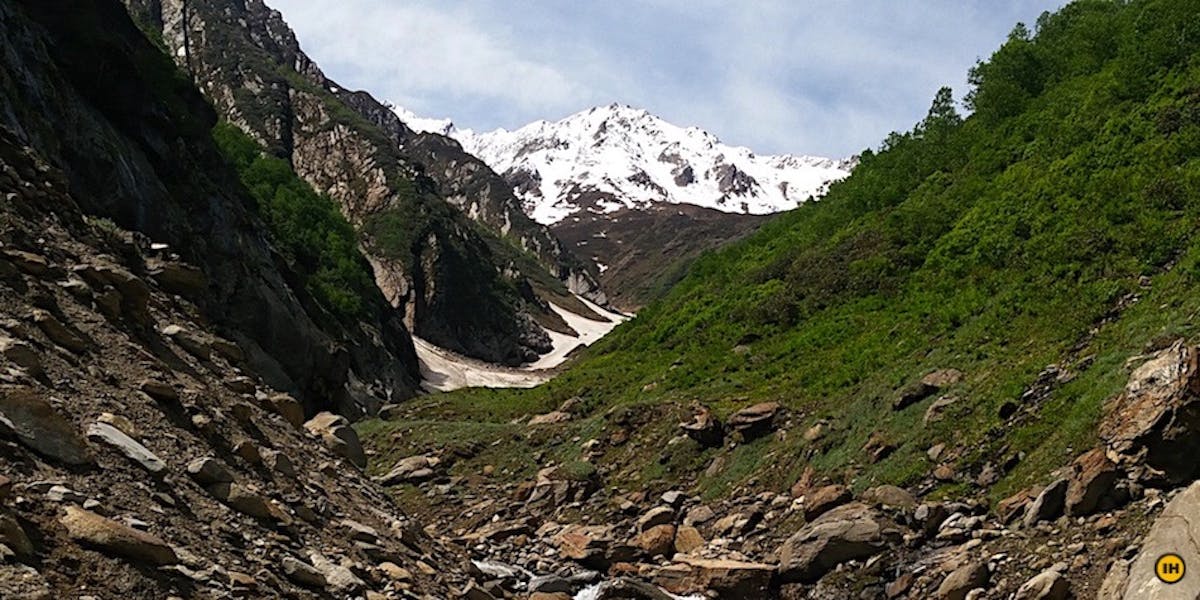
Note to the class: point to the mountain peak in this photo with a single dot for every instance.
(618, 156)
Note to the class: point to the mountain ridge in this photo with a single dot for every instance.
(618, 156)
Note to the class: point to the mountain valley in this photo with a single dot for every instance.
(262, 336)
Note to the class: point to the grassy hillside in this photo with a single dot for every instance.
(1054, 225)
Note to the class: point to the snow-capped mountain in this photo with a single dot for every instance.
(613, 157)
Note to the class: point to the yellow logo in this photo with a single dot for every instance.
(1169, 568)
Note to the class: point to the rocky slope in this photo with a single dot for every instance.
(142, 454)
(458, 285)
(1093, 530)
(140, 154)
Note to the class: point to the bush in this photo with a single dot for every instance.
(307, 228)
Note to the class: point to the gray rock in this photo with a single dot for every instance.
(962, 581)
(659, 515)
(848, 532)
(1048, 585)
(208, 471)
(302, 572)
(40, 427)
(1049, 504)
(1174, 531)
(128, 446)
(336, 433)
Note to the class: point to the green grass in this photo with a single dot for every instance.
(997, 244)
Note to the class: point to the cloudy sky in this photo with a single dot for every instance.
(827, 77)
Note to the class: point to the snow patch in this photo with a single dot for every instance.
(443, 370)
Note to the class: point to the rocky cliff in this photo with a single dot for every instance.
(452, 277)
(140, 154)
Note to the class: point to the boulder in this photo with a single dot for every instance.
(58, 332)
(302, 572)
(40, 427)
(1047, 585)
(131, 448)
(962, 580)
(208, 471)
(754, 420)
(287, 407)
(1173, 532)
(688, 539)
(21, 354)
(1048, 505)
(1092, 478)
(1151, 420)
(659, 515)
(821, 500)
(190, 342)
(850, 532)
(114, 538)
(889, 496)
(551, 418)
(728, 578)
(656, 541)
(410, 470)
(704, 428)
(338, 436)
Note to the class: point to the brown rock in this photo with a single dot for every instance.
(289, 408)
(551, 418)
(1048, 505)
(890, 496)
(878, 447)
(688, 539)
(58, 333)
(754, 420)
(659, 515)
(1151, 420)
(656, 541)
(728, 578)
(115, 538)
(21, 354)
(1013, 507)
(13, 536)
(158, 390)
(899, 587)
(1093, 476)
(823, 499)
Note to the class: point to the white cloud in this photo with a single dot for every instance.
(803, 76)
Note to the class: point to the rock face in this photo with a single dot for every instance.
(1152, 421)
(849, 532)
(250, 295)
(410, 196)
(1174, 531)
